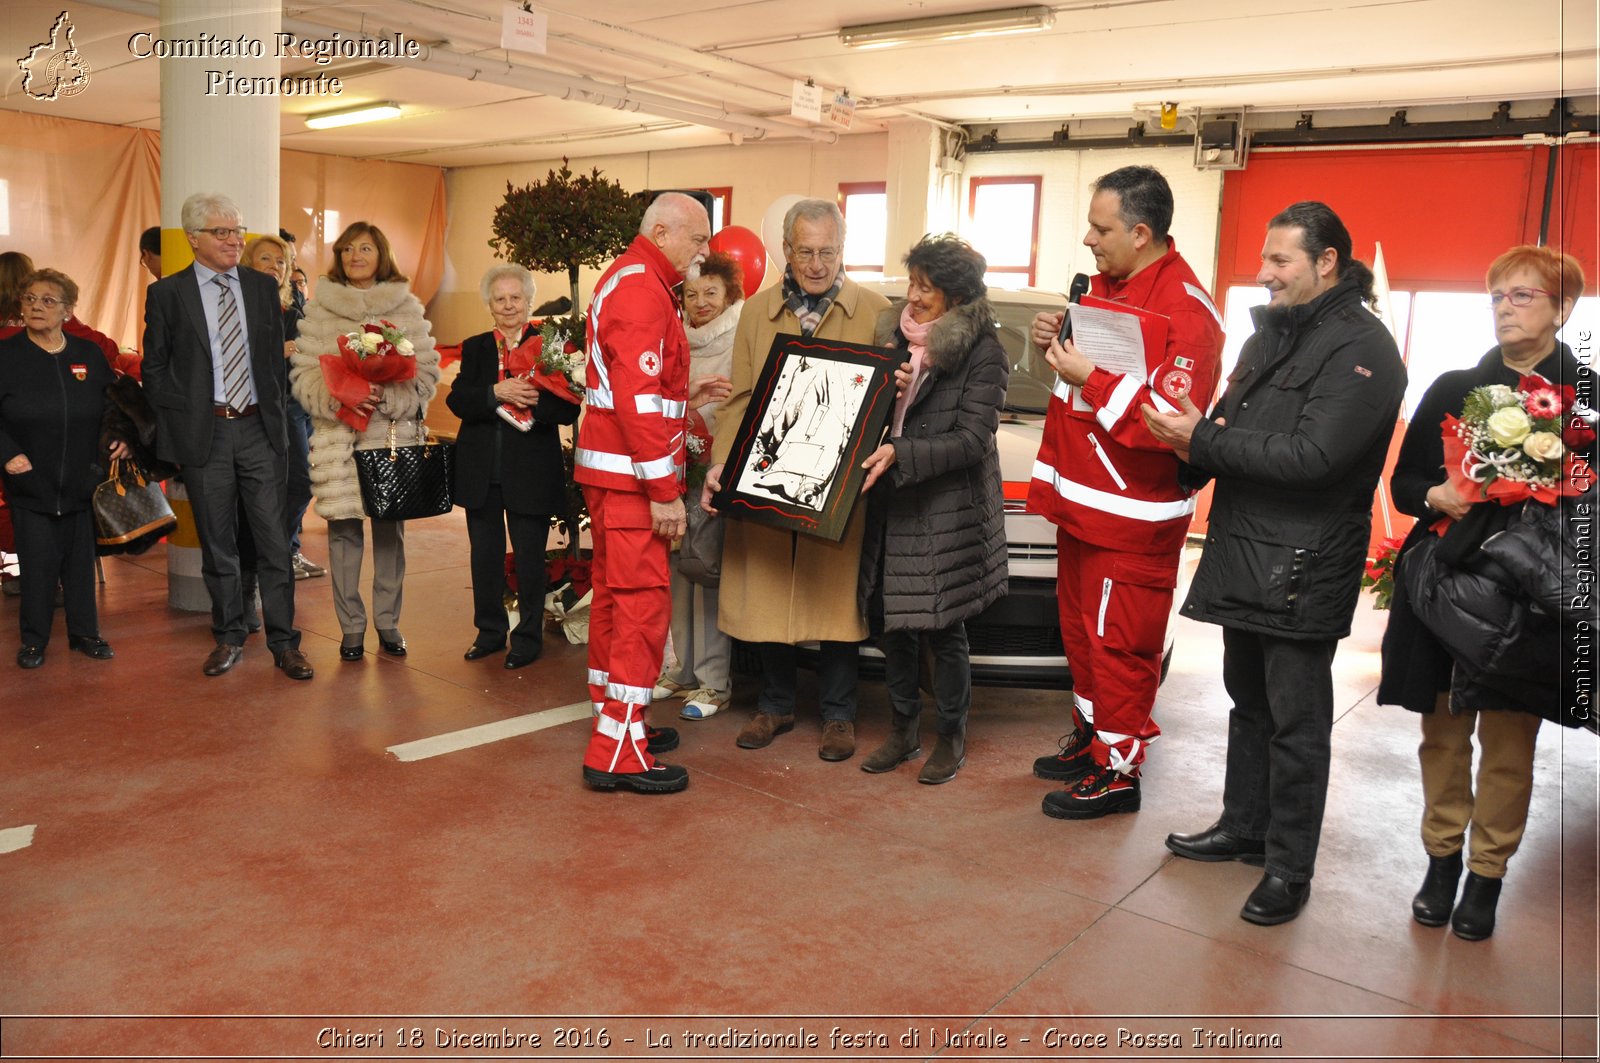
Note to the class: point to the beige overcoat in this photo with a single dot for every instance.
(782, 586)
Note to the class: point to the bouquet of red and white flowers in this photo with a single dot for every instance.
(1515, 443)
(378, 353)
(551, 361)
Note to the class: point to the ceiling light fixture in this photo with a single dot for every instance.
(366, 112)
(996, 23)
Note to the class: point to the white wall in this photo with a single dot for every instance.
(1064, 203)
(757, 173)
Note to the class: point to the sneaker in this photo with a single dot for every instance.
(1069, 763)
(667, 687)
(1099, 793)
(305, 568)
(702, 704)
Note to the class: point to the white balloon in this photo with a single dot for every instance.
(772, 232)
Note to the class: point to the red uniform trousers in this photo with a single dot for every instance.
(628, 620)
(1114, 606)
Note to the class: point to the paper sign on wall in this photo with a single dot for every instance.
(842, 110)
(806, 101)
(523, 31)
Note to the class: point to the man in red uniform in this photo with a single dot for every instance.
(1112, 491)
(630, 461)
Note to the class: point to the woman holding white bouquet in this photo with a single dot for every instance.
(365, 365)
(1485, 442)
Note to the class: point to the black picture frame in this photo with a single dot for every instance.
(817, 410)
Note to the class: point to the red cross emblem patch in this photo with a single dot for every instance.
(650, 363)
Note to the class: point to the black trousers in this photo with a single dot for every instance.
(487, 526)
(1279, 741)
(952, 673)
(243, 471)
(50, 550)
(837, 670)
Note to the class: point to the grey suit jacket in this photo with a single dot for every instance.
(177, 373)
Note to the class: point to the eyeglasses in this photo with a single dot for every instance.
(221, 233)
(805, 255)
(1518, 296)
(49, 302)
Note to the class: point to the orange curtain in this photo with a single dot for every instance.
(76, 195)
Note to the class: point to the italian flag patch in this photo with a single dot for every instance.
(1182, 362)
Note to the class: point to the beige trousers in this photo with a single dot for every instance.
(1498, 811)
(345, 548)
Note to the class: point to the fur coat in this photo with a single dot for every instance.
(338, 309)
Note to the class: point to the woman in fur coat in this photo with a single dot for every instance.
(363, 286)
(935, 549)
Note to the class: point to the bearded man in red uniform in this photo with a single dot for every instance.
(1112, 491)
(630, 461)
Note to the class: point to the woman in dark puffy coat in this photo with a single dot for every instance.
(935, 548)
(1533, 290)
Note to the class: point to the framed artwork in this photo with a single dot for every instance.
(817, 410)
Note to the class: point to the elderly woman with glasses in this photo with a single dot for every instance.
(1532, 291)
(52, 405)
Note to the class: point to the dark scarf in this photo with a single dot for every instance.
(810, 309)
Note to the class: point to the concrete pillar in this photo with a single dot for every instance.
(923, 183)
(213, 140)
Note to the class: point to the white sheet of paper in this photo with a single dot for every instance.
(1110, 339)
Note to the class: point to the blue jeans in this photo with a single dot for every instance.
(1279, 741)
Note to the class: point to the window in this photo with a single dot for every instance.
(721, 206)
(865, 206)
(1003, 224)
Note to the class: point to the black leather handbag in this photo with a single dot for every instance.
(130, 510)
(406, 482)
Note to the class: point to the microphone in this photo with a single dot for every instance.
(1080, 284)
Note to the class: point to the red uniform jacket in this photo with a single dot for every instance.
(1100, 474)
(637, 380)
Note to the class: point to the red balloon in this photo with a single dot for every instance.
(745, 248)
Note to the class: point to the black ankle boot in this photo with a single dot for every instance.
(1474, 918)
(1433, 902)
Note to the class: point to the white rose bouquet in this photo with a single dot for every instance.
(377, 354)
(1515, 443)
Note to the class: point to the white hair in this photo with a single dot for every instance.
(201, 207)
(500, 272)
(813, 210)
(668, 209)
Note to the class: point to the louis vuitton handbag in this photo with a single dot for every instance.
(406, 482)
(130, 508)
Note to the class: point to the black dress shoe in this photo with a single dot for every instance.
(1474, 917)
(352, 648)
(91, 646)
(477, 651)
(30, 657)
(1214, 843)
(394, 647)
(224, 657)
(1434, 901)
(520, 660)
(1274, 901)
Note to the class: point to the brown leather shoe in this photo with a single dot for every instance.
(224, 657)
(294, 664)
(838, 740)
(762, 729)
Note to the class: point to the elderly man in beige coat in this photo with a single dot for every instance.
(780, 588)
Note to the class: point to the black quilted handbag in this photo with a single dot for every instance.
(406, 482)
(130, 509)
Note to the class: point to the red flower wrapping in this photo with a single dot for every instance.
(1576, 476)
(523, 360)
(349, 375)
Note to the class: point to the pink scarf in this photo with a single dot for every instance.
(916, 335)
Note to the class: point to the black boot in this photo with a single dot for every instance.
(901, 745)
(1474, 918)
(1433, 902)
(949, 753)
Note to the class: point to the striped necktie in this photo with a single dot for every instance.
(235, 359)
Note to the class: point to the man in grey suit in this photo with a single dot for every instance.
(214, 371)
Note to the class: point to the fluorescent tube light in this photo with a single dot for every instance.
(995, 23)
(367, 112)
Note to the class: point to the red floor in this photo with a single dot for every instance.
(240, 868)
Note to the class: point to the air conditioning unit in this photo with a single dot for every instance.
(1220, 142)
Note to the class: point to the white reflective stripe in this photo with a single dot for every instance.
(1106, 502)
(1105, 603)
(658, 404)
(628, 695)
(614, 728)
(601, 461)
(598, 678)
(656, 469)
(595, 305)
(1062, 390)
(1105, 459)
(1120, 758)
(599, 397)
(1161, 404)
(1200, 294)
(599, 707)
(1085, 709)
(1116, 406)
